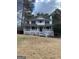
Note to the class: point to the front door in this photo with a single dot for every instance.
(40, 29)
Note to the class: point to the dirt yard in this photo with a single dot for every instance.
(34, 47)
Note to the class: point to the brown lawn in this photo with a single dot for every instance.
(34, 47)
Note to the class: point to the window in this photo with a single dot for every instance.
(27, 28)
(40, 21)
(47, 22)
(48, 27)
(33, 28)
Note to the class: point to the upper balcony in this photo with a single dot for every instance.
(38, 23)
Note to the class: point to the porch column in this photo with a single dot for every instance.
(37, 28)
(51, 28)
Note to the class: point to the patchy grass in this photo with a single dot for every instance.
(34, 47)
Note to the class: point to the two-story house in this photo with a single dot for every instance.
(38, 26)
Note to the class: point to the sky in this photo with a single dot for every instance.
(46, 6)
(40, 6)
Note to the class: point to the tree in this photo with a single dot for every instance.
(43, 15)
(56, 15)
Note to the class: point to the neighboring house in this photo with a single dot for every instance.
(38, 26)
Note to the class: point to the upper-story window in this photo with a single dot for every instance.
(40, 21)
(47, 22)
